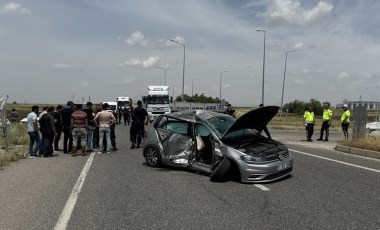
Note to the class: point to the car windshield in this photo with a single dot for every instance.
(112, 107)
(220, 124)
(122, 103)
(158, 99)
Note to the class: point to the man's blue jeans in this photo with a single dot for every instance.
(34, 137)
(104, 133)
(90, 134)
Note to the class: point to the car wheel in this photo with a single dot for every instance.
(152, 156)
(220, 172)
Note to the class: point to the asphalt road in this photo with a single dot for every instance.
(327, 190)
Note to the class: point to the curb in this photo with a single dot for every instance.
(359, 152)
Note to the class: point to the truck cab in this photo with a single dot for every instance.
(123, 103)
(158, 101)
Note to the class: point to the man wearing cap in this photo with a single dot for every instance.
(327, 116)
(345, 120)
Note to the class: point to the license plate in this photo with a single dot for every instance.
(283, 166)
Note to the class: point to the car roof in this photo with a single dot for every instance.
(255, 119)
(195, 115)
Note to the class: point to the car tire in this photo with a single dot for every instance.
(152, 156)
(220, 172)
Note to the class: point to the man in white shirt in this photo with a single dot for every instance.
(34, 136)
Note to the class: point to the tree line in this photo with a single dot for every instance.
(297, 107)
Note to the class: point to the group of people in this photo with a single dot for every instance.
(83, 129)
(309, 121)
(87, 129)
(327, 118)
(80, 127)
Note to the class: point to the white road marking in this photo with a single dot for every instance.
(262, 187)
(70, 204)
(341, 162)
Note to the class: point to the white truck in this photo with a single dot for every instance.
(111, 105)
(158, 101)
(123, 102)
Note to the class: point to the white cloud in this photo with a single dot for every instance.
(299, 46)
(292, 12)
(310, 71)
(13, 8)
(343, 75)
(136, 62)
(177, 39)
(137, 38)
(61, 66)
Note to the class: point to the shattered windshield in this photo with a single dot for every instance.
(220, 124)
(158, 99)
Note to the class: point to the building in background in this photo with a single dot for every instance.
(368, 104)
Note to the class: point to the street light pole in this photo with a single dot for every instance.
(192, 86)
(220, 87)
(183, 74)
(283, 82)
(262, 89)
(164, 69)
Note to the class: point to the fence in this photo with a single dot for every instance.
(3, 117)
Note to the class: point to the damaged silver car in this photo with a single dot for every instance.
(218, 144)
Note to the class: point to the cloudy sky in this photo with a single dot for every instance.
(52, 51)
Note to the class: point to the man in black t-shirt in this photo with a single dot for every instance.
(139, 118)
(66, 122)
(47, 128)
(58, 127)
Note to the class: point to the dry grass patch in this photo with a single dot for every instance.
(15, 153)
(367, 142)
(18, 139)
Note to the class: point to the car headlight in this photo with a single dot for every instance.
(251, 159)
(166, 109)
(149, 109)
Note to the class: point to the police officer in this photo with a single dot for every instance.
(345, 120)
(139, 118)
(309, 123)
(327, 116)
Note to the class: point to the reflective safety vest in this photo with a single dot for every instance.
(345, 118)
(309, 116)
(327, 114)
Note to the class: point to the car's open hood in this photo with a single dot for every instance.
(255, 119)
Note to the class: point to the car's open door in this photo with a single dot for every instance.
(176, 140)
